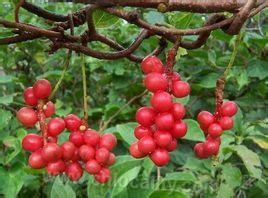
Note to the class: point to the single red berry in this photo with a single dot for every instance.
(162, 138)
(173, 145)
(36, 160)
(211, 147)
(180, 89)
(161, 101)
(209, 138)
(51, 152)
(164, 121)
(102, 155)
(74, 171)
(228, 108)
(55, 126)
(205, 118)
(27, 116)
(68, 149)
(141, 131)
(76, 156)
(103, 176)
(179, 129)
(175, 77)
(134, 151)
(49, 109)
(56, 167)
(77, 138)
(215, 130)
(199, 151)
(178, 111)
(108, 141)
(86, 152)
(29, 97)
(151, 64)
(155, 82)
(72, 122)
(204, 128)
(42, 88)
(145, 116)
(32, 142)
(160, 157)
(91, 137)
(92, 167)
(226, 123)
(52, 139)
(146, 145)
(111, 160)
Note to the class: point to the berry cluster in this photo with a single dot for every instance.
(160, 125)
(86, 148)
(213, 126)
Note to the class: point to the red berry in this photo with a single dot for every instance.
(27, 116)
(74, 171)
(76, 156)
(134, 151)
(218, 139)
(204, 128)
(52, 139)
(179, 129)
(141, 131)
(86, 152)
(180, 89)
(91, 137)
(146, 145)
(178, 111)
(111, 160)
(226, 123)
(51, 152)
(199, 151)
(173, 145)
(56, 167)
(108, 141)
(151, 64)
(32, 142)
(161, 101)
(205, 118)
(72, 122)
(211, 147)
(93, 167)
(103, 176)
(162, 138)
(42, 88)
(29, 97)
(175, 77)
(155, 82)
(228, 108)
(164, 121)
(145, 116)
(102, 155)
(77, 138)
(55, 126)
(49, 109)
(68, 150)
(215, 130)
(36, 160)
(160, 157)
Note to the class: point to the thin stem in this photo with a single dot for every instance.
(232, 59)
(17, 9)
(65, 66)
(158, 173)
(42, 120)
(84, 77)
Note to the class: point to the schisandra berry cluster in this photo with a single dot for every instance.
(85, 149)
(213, 126)
(161, 125)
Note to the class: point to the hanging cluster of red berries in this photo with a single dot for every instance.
(161, 125)
(86, 148)
(213, 126)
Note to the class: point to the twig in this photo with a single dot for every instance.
(158, 173)
(84, 77)
(17, 9)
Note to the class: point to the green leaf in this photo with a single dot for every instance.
(194, 133)
(231, 175)
(4, 118)
(242, 79)
(258, 68)
(167, 194)
(6, 100)
(59, 189)
(225, 191)
(181, 176)
(103, 19)
(154, 17)
(14, 148)
(125, 131)
(250, 159)
(209, 80)
(261, 140)
(6, 79)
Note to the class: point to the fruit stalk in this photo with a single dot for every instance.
(42, 119)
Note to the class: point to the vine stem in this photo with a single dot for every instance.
(42, 120)
(84, 77)
(65, 67)
(158, 173)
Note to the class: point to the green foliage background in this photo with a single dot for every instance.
(242, 168)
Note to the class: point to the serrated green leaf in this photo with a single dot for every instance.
(125, 131)
(59, 189)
